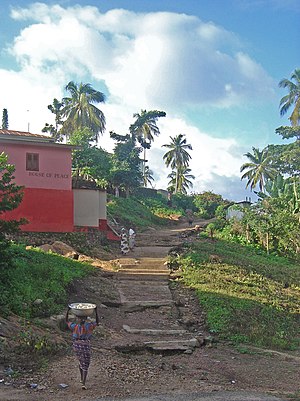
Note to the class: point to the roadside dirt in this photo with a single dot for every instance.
(121, 364)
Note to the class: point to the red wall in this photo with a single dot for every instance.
(47, 210)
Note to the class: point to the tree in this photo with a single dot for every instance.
(90, 165)
(259, 168)
(56, 109)
(148, 177)
(183, 180)
(4, 119)
(292, 98)
(79, 109)
(11, 195)
(145, 128)
(177, 156)
(207, 203)
(126, 169)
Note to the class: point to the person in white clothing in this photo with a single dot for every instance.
(131, 239)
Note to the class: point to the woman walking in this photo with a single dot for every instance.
(81, 335)
(124, 242)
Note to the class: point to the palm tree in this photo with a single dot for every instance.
(258, 169)
(80, 110)
(292, 98)
(145, 128)
(184, 180)
(178, 156)
(148, 177)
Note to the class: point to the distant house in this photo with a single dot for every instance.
(235, 210)
(50, 204)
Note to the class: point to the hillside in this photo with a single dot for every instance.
(121, 365)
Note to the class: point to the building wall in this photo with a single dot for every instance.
(55, 166)
(48, 198)
(46, 210)
(89, 207)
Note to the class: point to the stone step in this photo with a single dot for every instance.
(187, 346)
(134, 270)
(143, 266)
(134, 306)
(145, 276)
(172, 345)
(154, 332)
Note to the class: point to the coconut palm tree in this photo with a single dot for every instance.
(292, 98)
(148, 177)
(80, 111)
(258, 169)
(145, 128)
(184, 180)
(177, 156)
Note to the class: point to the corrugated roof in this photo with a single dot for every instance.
(12, 133)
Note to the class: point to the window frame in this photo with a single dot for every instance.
(32, 161)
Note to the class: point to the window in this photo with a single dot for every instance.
(32, 161)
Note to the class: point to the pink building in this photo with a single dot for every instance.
(49, 204)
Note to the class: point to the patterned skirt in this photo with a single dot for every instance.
(82, 349)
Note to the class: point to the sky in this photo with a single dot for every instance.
(212, 66)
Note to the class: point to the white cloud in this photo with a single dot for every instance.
(212, 158)
(162, 59)
(148, 61)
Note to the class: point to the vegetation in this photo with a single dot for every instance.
(292, 98)
(248, 295)
(10, 195)
(32, 279)
(246, 274)
(144, 129)
(258, 169)
(4, 119)
(77, 111)
(178, 158)
(140, 212)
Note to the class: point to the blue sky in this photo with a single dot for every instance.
(213, 66)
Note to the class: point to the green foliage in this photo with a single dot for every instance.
(207, 203)
(258, 169)
(288, 132)
(37, 275)
(31, 342)
(292, 99)
(4, 119)
(182, 202)
(177, 157)
(90, 164)
(79, 110)
(10, 194)
(136, 212)
(271, 224)
(248, 296)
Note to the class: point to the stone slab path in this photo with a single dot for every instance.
(143, 283)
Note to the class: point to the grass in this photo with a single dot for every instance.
(249, 296)
(138, 213)
(38, 276)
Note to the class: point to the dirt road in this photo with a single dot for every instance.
(152, 341)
